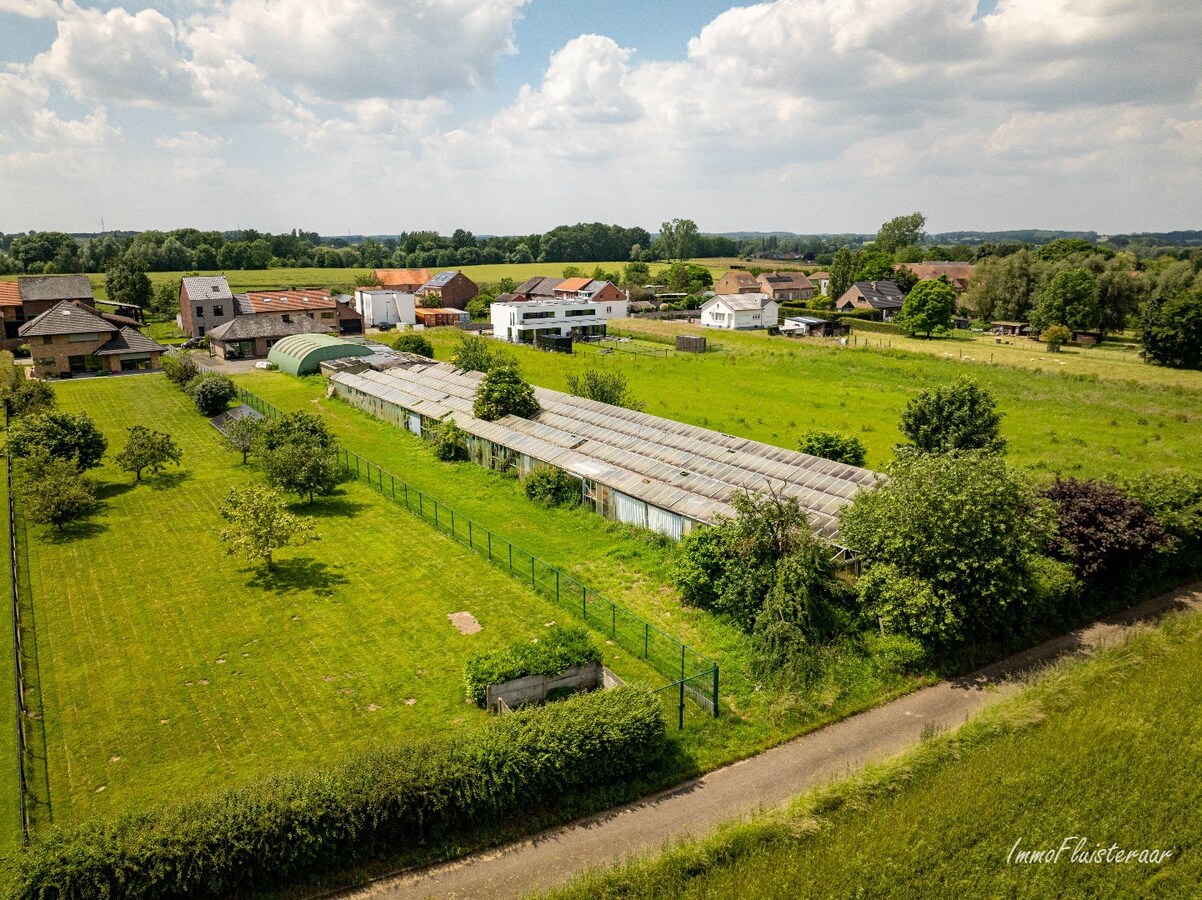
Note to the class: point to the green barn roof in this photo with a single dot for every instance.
(302, 354)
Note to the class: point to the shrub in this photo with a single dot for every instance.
(844, 448)
(503, 392)
(560, 649)
(413, 343)
(957, 416)
(604, 387)
(180, 368)
(1055, 336)
(479, 354)
(552, 487)
(286, 828)
(58, 434)
(450, 441)
(211, 392)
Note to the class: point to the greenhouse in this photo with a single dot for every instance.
(303, 354)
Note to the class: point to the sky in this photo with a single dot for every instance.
(513, 116)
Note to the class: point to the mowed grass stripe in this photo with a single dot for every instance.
(138, 609)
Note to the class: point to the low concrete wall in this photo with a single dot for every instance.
(534, 688)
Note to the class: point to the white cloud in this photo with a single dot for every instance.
(191, 142)
(31, 9)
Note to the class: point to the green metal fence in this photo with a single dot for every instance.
(693, 677)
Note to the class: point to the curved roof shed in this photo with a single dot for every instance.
(303, 354)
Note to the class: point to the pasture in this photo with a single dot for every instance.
(773, 388)
(1105, 751)
(166, 668)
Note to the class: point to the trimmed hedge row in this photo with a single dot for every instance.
(287, 828)
(559, 650)
(875, 327)
(856, 314)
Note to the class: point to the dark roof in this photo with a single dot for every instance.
(119, 321)
(507, 298)
(439, 280)
(54, 287)
(66, 318)
(243, 306)
(881, 294)
(206, 287)
(539, 286)
(220, 420)
(246, 328)
(129, 340)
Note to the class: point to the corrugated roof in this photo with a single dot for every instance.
(66, 318)
(402, 277)
(54, 287)
(682, 468)
(288, 301)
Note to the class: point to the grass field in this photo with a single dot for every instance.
(1107, 750)
(773, 388)
(167, 668)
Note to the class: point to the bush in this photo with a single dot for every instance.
(450, 441)
(844, 448)
(211, 392)
(552, 487)
(875, 327)
(1055, 336)
(59, 434)
(413, 343)
(286, 828)
(180, 368)
(961, 415)
(503, 392)
(559, 650)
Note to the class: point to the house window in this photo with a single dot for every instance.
(47, 339)
(200, 312)
(45, 362)
(83, 338)
(327, 315)
(286, 318)
(219, 310)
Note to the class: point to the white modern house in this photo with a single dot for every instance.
(523, 323)
(380, 306)
(740, 312)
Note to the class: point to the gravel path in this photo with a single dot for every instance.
(767, 780)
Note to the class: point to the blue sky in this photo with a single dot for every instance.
(511, 116)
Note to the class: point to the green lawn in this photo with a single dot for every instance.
(773, 388)
(1107, 750)
(167, 668)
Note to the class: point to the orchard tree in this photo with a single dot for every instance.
(604, 387)
(53, 491)
(928, 308)
(297, 427)
(844, 448)
(1171, 330)
(1070, 299)
(61, 435)
(242, 434)
(260, 523)
(146, 449)
(28, 396)
(503, 392)
(901, 231)
(953, 417)
(126, 282)
(302, 467)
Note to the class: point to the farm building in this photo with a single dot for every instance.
(303, 354)
(810, 326)
(636, 468)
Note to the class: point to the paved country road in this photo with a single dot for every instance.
(770, 779)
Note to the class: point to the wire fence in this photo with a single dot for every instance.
(18, 655)
(693, 677)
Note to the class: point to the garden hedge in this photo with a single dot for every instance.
(560, 649)
(854, 314)
(875, 327)
(289, 827)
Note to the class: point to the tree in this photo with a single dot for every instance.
(53, 491)
(297, 427)
(502, 392)
(126, 282)
(413, 343)
(302, 467)
(29, 396)
(1103, 532)
(843, 272)
(243, 434)
(687, 278)
(180, 366)
(604, 387)
(1171, 330)
(901, 231)
(678, 239)
(1055, 336)
(927, 308)
(147, 449)
(1004, 288)
(476, 354)
(636, 274)
(1070, 299)
(260, 523)
(957, 416)
(61, 435)
(961, 535)
(844, 448)
(211, 392)
(449, 441)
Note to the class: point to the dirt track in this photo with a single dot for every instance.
(770, 779)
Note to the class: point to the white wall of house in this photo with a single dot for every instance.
(385, 308)
(517, 322)
(717, 313)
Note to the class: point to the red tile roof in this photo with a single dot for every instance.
(10, 293)
(288, 301)
(571, 285)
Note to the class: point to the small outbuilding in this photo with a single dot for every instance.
(303, 354)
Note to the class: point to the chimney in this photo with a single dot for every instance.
(874, 285)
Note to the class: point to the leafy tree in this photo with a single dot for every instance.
(636, 273)
(843, 272)
(147, 449)
(478, 354)
(260, 523)
(126, 282)
(1004, 288)
(180, 366)
(604, 387)
(450, 441)
(957, 416)
(1055, 336)
(929, 307)
(1120, 291)
(1104, 533)
(61, 435)
(24, 396)
(243, 434)
(413, 343)
(1171, 330)
(875, 266)
(901, 231)
(1071, 299)
(165, 300)
(552, 487)
(960, 534)
(688, 278)
(677, 239)
(844, 448)
(502, 392)
(573, 272)
(297, 427)
(211, 392)
(302, 467)
(53, 491)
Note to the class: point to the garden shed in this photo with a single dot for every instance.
(303, 354)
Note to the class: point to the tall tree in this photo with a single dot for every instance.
(1171, 330)
(678, 239)
(1070, 299)
(126, 282)
(843, 272)
(901, 231)
(62, 435)
(930, 305)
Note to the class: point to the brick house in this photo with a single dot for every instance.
(537, 287)
(737, 281)
(958, 274)
(316, 304)
(784, 287)
(453, 290)
(252, 336)
(884, 297)
(71, 338)
(588, 289)
(12, 314)
(205, 301)
(40, 292)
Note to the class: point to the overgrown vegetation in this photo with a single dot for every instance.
(605, 387)
(834, 445)
(552, 487)
(409, 342)
(503, 392)
(449, 441)
(559, 649)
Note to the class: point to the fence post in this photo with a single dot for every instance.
(613, 621)
(470, 545)
(392, 481)
(510, 557)
(682, 663)
(584, 602)
(533, 583)
(435, 513)
(715, 690)
(452, 524)
(646, 638)
(489, 533)
(680, 724)
(557, 585)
